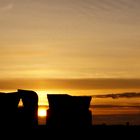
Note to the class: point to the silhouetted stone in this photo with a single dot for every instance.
(80, 107)
(29, 111)
(9, 109)
(2, 109)
(68, 111)
(58, 101)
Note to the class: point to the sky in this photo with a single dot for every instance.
(69, 39)
(67, 45)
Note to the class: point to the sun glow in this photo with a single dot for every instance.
(42, 112)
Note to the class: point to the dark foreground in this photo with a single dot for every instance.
(95, 132)
(116, 129)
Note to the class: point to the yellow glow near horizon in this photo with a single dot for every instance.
(42, 112)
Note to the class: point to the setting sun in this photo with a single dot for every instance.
(42, 112)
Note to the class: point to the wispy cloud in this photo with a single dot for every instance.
(109, 9)
(7, 7)
(117, 96)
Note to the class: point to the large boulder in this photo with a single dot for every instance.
(29, 111)
(9, 109)
(68, 111)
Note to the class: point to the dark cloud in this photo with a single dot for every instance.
(102, 106)
(117, 96)
(74, 84)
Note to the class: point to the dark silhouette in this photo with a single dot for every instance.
(67, 111)
(29, 112)
(64, 111)
(12, 116)
(9, 109)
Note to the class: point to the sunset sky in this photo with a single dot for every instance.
(70, 46)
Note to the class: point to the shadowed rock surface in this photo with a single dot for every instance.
(9, 109)
(12, 116)
(29, 112)
(67, 111)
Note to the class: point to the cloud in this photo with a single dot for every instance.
(76, 84)
(136, 106)
(7, 7)
(110, 10)
(117, 96)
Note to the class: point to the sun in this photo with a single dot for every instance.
(42, 112)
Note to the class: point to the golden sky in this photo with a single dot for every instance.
(70, 46)
(69, 39)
